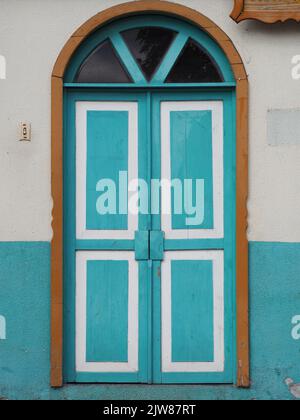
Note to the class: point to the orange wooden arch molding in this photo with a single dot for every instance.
(182, 12)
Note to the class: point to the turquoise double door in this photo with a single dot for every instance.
(149, 239)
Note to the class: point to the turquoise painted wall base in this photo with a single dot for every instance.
(25, 303)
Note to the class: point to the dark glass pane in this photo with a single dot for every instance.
(102, 66)
(149, 46)
(194, 65)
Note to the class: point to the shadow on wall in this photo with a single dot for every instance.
(290, 27)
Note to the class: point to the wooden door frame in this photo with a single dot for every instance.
(196, 18)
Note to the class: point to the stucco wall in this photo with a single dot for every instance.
(32, 33)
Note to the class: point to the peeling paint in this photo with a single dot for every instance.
(294, 388)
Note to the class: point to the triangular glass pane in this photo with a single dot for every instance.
(194, 65)
(149, 46)
(103, 66)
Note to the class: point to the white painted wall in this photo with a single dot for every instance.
(32, 33)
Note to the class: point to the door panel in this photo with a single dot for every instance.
(107, 151)
(195, 163)
(106, 270)
(189, 290)
(107, 312)
(192, 312)
(195, 280)
(192, 147)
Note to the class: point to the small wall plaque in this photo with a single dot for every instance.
(25, 131)
(268, 11)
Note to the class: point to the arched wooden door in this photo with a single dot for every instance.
(150, 206)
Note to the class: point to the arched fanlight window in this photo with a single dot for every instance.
(149, 46)
(149, 52)
(194, 65)
(103, 66)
